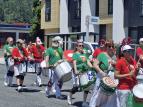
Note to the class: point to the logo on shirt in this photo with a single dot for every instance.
(12, 60)
(11, 49)
(39, 51)
(84, 51)
(83, 58)
(20, 54)
(56, 52)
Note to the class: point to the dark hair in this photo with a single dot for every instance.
(76, 46)
(120, 54)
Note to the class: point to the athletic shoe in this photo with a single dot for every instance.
(84, 104)
(10, 85)
(47, 93)
(35, 83)
(5, 83)
(20, 88)
(69, 100)
(60, 97)
(53, 90)
(40, 84)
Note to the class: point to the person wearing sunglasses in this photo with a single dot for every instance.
(8, 48)
(139, 54)
(126, 71)
(105, 66)
(19, 53)
(79, 60)
(54, 54)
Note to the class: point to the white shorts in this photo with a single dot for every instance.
(16, 71)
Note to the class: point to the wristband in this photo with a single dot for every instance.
(100, 71)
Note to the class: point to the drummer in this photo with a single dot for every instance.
(8, 48)
(126, 70)
(104, 65)
(79, 59)
(19, 53)
(53, 54)
(38, 51)
(139, 53)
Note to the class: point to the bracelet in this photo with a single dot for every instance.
(100, 71)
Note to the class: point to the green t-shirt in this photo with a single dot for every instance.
(104, 62)
(81, 60)
(8, 48)
(85, 52)
(54, 56)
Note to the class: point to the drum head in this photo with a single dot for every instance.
(140, 77)
(138, 91)
(109, 82)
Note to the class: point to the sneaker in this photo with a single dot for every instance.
(35, 83)
(69, 100)
(5, 83)
(10, 85)
(40, 84)
(54, 91)
(60, 97)
(20, 88)
(47, 93)
(84, 104)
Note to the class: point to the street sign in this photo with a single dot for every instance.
(94, 20)
(87, 20)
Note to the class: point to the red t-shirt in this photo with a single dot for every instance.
(17, 53)
(139, 52)
(128, 82)
(37, 52)
(29, 48)
(97, 52)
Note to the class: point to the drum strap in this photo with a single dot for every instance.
(20, 51)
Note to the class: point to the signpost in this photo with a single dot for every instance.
(90, 20)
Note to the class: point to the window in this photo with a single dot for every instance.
(110, 6)
(48, 10)
(141, 7)
(78, 9)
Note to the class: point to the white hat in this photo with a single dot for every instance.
(59, 38)
(141, 39)
(38, 41)
(126, 47)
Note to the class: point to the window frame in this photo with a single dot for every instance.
(110, 4)
(141, 7)
(78, 8)
(49, 11)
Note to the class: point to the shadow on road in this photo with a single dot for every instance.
(27, 90)
(77, 104)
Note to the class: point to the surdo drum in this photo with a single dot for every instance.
(108, 86)
(63, 70)
(140, 79)
(45, 71)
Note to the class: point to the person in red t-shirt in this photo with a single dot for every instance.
(101, 43)
(19, 53)
(125, 70)
(38, 51)
(139, 55)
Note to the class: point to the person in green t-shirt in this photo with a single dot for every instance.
(54, 54)
(8, 48)
(105, 66)
(79, 60)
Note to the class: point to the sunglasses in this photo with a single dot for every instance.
(55, 41)
(80, 46)
(129, 50)
(111, 46)
(102, 43)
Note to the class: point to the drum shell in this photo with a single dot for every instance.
(63, 71)
(139, 79)
(10, 61)
(22, 67)
(45, 71)
(30, 67)
(84, 79)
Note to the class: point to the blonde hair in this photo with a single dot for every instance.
(8, 39)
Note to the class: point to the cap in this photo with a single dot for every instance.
(102, 40)
(19, 40)
(54, 39)
(126, 47)
(141, 39)
(38, 41)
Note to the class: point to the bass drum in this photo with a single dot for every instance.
(45, 70)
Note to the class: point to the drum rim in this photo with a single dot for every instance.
(107, 84)
(134, 91)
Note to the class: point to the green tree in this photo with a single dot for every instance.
(36, 21)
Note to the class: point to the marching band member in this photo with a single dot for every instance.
(126, 71)
(38, 51)
(53, 54)
(29, 46)
(7, 52)
(104, 65)
(79, 58)
(19, 53)
(139, 53)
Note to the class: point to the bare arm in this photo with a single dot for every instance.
(63, 57)
(29, 57)
(117, 74)
(5, 52)
(93, 59)
(47, 61)
(141, 57)
(75, 67)
(89, 64)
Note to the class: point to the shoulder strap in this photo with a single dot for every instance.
(57, 51)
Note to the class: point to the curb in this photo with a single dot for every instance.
(2, 64)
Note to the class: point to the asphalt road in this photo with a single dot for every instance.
(34, 96)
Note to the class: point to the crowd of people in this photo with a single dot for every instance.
(111, 61)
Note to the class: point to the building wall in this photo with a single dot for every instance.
(55, 15)
(47, 31)
(109, 31)
(103, 12)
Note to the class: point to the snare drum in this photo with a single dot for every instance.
(138, 93)
(63, 70)
(10, 62)
(108, 86)
(87, 81)
(45, 71)
(31, 66)
(139, 79)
